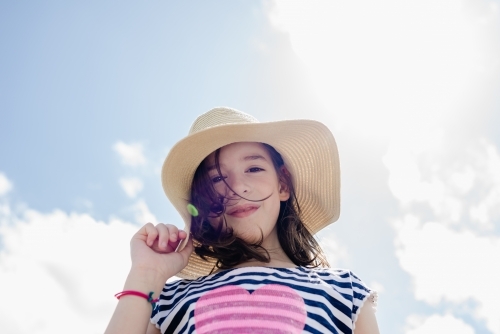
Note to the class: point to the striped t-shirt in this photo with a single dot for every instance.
(263, 300)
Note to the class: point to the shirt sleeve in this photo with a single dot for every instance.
(154, 319)
(361, 294)
(164, 305)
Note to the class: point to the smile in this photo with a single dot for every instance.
(242, 211)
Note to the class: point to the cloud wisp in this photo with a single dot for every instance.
(5, 184)
(130, 154)
(437, 324)
(131, 186)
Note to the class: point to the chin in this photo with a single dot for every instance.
(250, 238)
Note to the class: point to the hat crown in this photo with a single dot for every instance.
(220, 116)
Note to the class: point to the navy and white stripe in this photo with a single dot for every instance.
(332, 297)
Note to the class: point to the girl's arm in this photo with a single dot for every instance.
(366, 322)
(152, 329)
(154, 260)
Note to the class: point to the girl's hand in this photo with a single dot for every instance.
(153, 249)
(154, 260)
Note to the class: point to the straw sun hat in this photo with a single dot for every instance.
(308, 150)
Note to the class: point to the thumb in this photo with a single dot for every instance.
(186, 251)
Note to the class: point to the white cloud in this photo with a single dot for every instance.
(456, 188)
(60, 271)
(487, 210)
(131, 186)
(406, 179)
(5, 184)
(447, 253)
(377, 286)
(449, 265)
(336, 252)
(386, 67)
(414, 74)
(437, 324)
(131, 154)
(444, 262)
(142, 213)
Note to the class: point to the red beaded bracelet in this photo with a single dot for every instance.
(149, 297)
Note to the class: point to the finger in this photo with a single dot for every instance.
(173, 232)
(187, 250)
(182, 241)
(164, 236)
(151, 233)
(182, 234)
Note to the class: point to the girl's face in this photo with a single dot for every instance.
(249, 172)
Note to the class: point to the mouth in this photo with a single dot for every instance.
(241, 211)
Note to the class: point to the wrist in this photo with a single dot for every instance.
(145, 280)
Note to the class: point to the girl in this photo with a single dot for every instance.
(251, 195)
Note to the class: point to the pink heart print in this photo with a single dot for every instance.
(271, 309)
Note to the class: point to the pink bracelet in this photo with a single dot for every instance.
(149, 297)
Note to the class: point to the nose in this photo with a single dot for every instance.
(238, 185)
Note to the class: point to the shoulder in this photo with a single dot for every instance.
(337, 275)
(349, 285)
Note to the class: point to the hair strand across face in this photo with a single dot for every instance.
(222, 245)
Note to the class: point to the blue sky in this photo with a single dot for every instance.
(93, 95)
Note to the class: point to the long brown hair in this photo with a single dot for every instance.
(227, 249)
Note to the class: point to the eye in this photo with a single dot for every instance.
(217, 179)
(255, 169)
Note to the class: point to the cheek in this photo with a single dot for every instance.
(220, 188)
(276, 210)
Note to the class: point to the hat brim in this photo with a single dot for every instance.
(307, 147)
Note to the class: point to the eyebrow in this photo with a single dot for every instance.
(247, 158)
